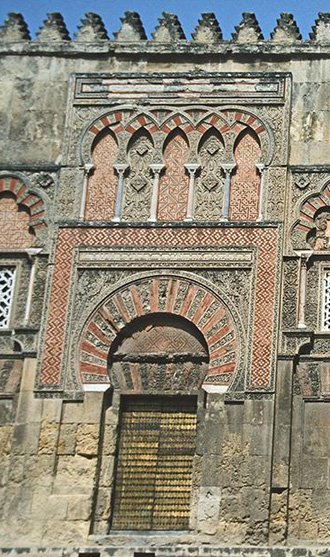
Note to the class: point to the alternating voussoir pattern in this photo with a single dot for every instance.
(24, 197)
(178, 296)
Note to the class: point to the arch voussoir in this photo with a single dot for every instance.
(157, 295)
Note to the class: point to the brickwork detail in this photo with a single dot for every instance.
(160, 353)
(15, 232)
(102, 184)
(313, 226)
(13, 188)
(265, 296)
(136, 205)
(209, 184)
(245, 183)
(161, 295)
(173, 188)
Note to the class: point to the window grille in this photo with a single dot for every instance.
(155, 463)
(7, 277)
(326, 302)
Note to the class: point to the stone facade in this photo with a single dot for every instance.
(165, 213)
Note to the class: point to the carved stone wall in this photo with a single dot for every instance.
(138, 185)
(102, 184)
(210, 181)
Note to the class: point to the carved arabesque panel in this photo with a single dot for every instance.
(245, 182)
(173, 187)
(138, 185)
(102, 184)
(210, 182)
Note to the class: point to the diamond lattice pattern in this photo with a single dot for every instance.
(6, 294)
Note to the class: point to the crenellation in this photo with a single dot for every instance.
(169, 29)
(321, 30)
(208, 29)
(132, 29)
(92, 29)
(53, 29)
(14, 29)
(248, 31)
(286, 30)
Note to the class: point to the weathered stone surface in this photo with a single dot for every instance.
(14, 29)
(53, 29)
(208, 29)
(131, 29)
(226, 287)
(248, 31)
(91, 29)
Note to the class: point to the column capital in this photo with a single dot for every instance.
(32, 252)
(156, 168)
(192, 167)
(228, 167)
(260, 166)
(120, 167)
(303, 254)
(88, 167)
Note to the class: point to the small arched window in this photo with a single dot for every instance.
(174, 182)
(102, 184)
(245, 182)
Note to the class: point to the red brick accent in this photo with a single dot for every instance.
(265, 239)
(173, 186)
(102, 184)
(17, 222)
(245, 183)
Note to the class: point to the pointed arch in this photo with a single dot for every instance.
(174, 182)
(102, 183)
(245, 182)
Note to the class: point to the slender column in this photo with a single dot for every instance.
(192, 169)
(304, 255)
(261, 168)
(156, 169)
(32, 252)
(87, 170)
(120, 169)
(228, 168)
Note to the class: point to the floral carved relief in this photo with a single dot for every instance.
(209, 184)
(245, 183)
(173, 189)
(136, 205)
(102, 184)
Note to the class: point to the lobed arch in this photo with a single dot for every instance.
(212, 131)
(25, 197)
(141, 131)
(307, 212)
(229, 119)
(161, 294)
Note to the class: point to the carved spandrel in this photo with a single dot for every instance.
(137, 194)
(209, 183)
